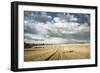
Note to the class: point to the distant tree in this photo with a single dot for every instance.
(27, 45)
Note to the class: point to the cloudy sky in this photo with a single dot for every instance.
(53, 27)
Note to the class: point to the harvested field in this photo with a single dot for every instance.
(57, 52)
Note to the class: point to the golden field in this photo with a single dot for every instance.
(57, 52)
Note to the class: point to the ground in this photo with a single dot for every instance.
(57, 52)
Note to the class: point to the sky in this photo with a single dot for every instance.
(56, 28)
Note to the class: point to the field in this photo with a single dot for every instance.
(57, 52)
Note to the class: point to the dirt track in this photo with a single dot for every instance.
(57, 52)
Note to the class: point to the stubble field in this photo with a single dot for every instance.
(57, 52)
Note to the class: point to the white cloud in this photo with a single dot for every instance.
(65, 17)
(39, 39)
(71, 17)
(56, 19)
(60, 31)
